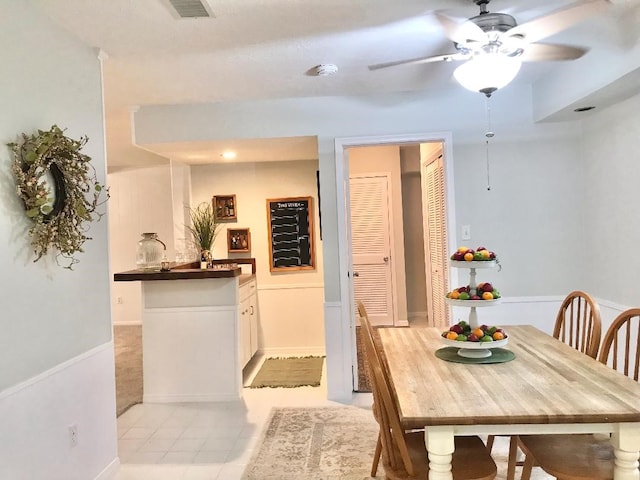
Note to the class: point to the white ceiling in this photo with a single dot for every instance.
(255, 49)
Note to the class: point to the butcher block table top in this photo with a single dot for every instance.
(547, 382)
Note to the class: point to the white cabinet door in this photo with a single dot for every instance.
(253, 321)
(245, 332)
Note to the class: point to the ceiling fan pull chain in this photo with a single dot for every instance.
(489, 134)
(488, 178)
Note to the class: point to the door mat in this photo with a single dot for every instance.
(289, 372)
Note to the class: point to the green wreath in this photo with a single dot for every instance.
(60, 191)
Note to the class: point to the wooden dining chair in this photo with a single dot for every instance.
(578, 324)
(404, 454)
(585, 456)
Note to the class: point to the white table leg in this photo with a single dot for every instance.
(440, 445)
(626, 444)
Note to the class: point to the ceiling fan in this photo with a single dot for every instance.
(494, 45)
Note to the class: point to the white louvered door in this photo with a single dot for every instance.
(434, 195)
(371, 248)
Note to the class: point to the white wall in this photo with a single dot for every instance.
(290, 303)
(610, 159)
(412, 218)
(56, 348)
(532, 217)
(140, 202)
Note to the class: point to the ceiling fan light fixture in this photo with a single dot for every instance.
(487, 73)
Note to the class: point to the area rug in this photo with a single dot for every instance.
(364, 383)
(289, 372)
(332, 443)
(127, 344)
(328, 443)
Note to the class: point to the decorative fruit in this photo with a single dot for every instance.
(454, 294)
(456, 328)
(475, 297)
(468, 257)
(462, 332)
(487, 296)
(487, 287)
(478, 332)
(464, 296)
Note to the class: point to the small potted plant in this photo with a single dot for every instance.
(203, 228)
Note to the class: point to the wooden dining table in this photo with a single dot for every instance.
(548, 388)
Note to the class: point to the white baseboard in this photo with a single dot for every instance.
(192, 398)
(402, 323)
(293, 351)
(110, 471)
(127, 323)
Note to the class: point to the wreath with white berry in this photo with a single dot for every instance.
(58, 186)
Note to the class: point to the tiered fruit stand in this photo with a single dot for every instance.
(472, 266)
(469, 349)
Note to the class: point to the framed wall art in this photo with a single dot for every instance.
(238, 240)
(225, 207)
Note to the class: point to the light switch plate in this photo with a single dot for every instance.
(466, 232)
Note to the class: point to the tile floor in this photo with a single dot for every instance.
(205, 441)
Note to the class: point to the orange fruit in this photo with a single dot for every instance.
(454, 295)
(478, 332)
(487, 296)
(463, 249)
(452, 335)
(485, 253)
(498, 336)
(468, 256)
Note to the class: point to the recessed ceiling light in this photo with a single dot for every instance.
(228, 155)
(584, 109)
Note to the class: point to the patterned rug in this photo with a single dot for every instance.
(316, 444)
(332, 443)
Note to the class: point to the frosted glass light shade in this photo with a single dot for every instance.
(487, 73)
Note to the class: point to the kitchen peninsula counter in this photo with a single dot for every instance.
(199, 329)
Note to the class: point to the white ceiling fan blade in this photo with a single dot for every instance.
(544, 52)
(461, 30)
(557, 21)
(413, 61)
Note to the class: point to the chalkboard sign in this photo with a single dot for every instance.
(290, 222)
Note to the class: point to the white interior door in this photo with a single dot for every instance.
(371, 246)
(435, 229)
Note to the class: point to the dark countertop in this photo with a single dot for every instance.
(179, 273)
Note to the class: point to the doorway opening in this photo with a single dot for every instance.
(381, 242)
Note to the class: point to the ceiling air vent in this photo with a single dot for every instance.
(190, 8)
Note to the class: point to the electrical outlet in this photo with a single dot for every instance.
(73, 435)
(119, 300)
(466, 232)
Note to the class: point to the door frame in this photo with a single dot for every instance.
(347, 332)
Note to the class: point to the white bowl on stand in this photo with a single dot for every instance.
(475, 349)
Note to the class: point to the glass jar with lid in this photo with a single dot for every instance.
(150, 252)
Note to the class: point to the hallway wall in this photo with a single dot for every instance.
(56, 349)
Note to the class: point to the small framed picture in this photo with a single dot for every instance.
(238, 240)
(225, 207)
